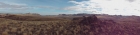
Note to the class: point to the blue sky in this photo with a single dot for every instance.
(54, 7)
(45, 7)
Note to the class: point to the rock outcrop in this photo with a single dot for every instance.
(88, 20)
(100, 27)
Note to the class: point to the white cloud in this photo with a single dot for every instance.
(13, 6)
(113, 7)
(131, 0)
(73, 8)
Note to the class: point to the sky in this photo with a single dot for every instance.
(53, 7)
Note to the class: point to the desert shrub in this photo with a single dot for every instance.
(5, 33)
(53, 26)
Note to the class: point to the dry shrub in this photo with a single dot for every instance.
(47, 27)
(91, 33)
(5, 33)
(14, 30)
(25, 34)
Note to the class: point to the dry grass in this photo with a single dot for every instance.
(32, 18)
(15, 27)
(32, 25)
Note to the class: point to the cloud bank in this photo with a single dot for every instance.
(112, 7)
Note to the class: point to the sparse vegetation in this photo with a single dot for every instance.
(92, 25)
(15, 27)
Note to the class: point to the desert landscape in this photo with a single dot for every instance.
(69, 17)
(83, 24)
